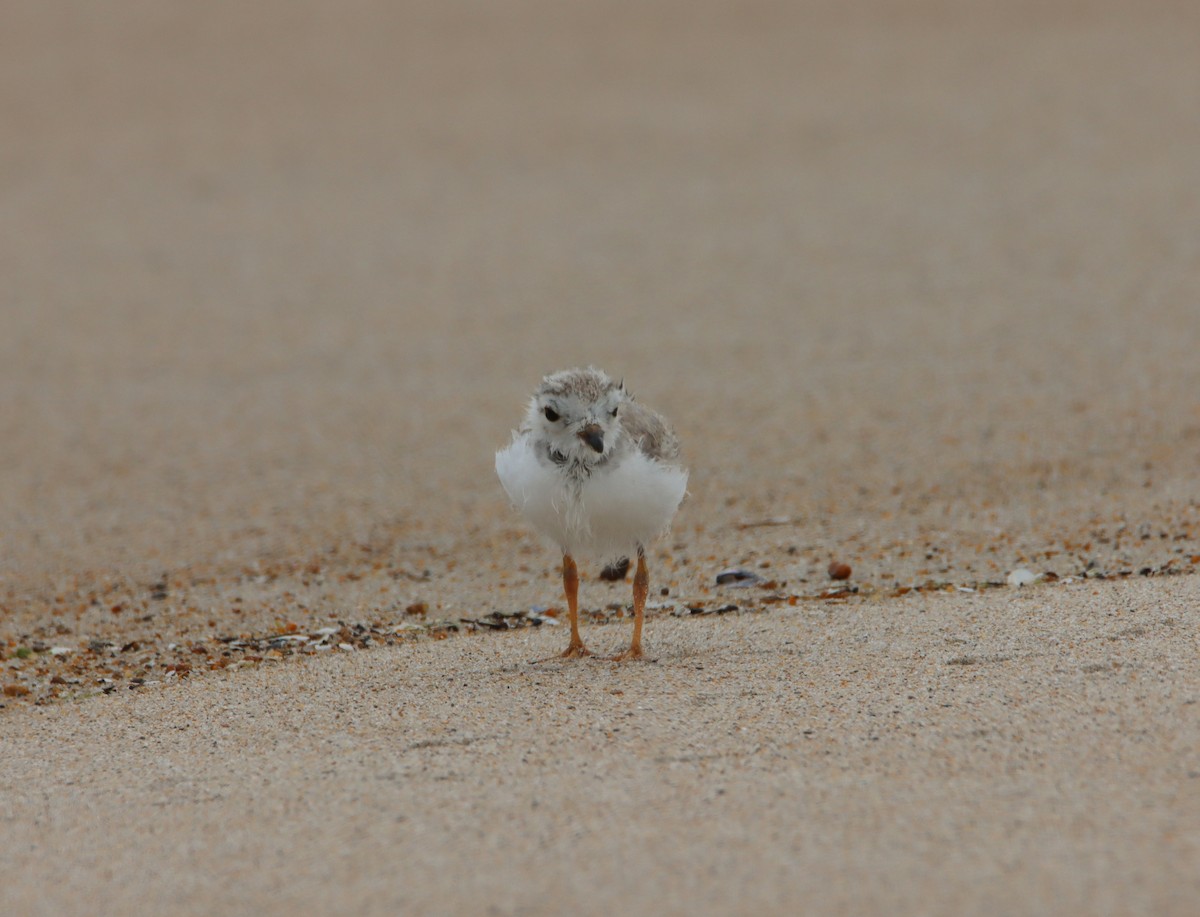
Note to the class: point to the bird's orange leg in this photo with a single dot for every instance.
(575, 648)
(641, 589)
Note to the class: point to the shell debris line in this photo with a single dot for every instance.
(108, 633)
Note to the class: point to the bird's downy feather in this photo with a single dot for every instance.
(605, 516)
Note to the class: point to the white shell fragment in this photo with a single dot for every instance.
(1022, 577)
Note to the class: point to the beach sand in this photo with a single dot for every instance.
(916, 284)
(989, 754)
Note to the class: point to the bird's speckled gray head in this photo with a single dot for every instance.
(575, 417)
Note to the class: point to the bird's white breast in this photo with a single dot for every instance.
(605, 515)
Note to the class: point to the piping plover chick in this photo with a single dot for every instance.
(598, 474)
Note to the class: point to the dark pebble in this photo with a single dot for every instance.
(737, 577)
(616, 571)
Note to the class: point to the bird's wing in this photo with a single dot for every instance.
(650, 431)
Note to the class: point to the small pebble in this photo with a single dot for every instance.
(839, 570)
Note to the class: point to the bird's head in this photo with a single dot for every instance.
(577, 413)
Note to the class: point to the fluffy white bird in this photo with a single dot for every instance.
(598, 474)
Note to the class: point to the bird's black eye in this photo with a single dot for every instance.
(551, 414)
(612, 413)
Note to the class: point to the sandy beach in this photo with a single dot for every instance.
(956, 754)
(918, 286)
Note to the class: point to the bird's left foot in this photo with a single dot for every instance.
(574, 651)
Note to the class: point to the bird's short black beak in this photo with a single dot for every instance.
(593, 436)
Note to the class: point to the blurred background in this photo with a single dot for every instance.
(276, 277)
